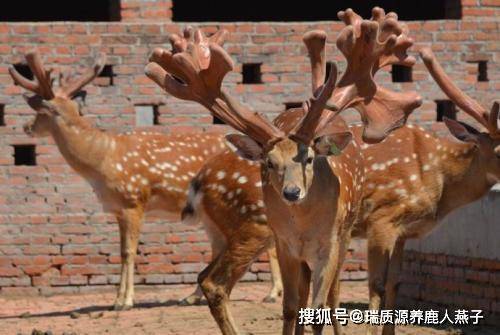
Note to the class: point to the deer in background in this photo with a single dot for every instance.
(311, 190)
(131, 174)
(414, 181)
(411, 183)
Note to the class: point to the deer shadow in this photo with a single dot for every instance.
(93, 309)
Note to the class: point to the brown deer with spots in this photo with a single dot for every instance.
(415, 179)
(130, 173)
(312, 173)
(412, 178)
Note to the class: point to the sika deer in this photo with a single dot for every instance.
(311, 196)
(130, 173)
(411, 183)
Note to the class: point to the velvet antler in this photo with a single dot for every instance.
(43, 84)
(367, 46)
(305, 130)
(460, 98)
(194, 71)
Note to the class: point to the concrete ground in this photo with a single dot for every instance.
(157, 312)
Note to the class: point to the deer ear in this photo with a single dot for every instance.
(461, 132)
(40, 105)
(332, 144)
(244, 146)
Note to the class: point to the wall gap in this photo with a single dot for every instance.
(401, 74)
(293, 104)
(147, 115)
(445, 108)
(2, 115)
(24, 154)
(251, 73)
(106, 77)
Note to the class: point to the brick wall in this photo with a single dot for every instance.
(54, 236)
(143, 10)
(433, 280)
(458, 265)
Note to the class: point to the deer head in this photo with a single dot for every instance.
(488, 141)
(196, 66)
(50, 103)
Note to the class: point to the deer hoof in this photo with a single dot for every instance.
(269, 299)
(122, 307)
(190, 301)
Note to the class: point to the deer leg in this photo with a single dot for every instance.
(219, 278)
(218, 244)
(392, 283)
(291, 298)
(334, 302)
(380, 246)
(277, 284)
(304, 285)
(120, 298)
(130, 221)
(334, 293)
(323, 277)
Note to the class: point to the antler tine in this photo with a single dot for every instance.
(201, 63)
(315, 42)
(313, 120)
(42, 76)
(246, 121)
(219, 37)
(459, 97)
(43, 85)
(22, 81)
(71, 88)
(314, 107)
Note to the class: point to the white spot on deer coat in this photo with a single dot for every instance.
(220, 175)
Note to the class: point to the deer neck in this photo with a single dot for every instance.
(464, 179)
(83, 146)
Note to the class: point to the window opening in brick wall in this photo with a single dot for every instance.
(445, 108)
(24, 154)
(106, 77)
(293, 104)
(482, 70)
(251, 73)
(2, 115)
(328, 69)
(401, 74)
(317, 10)
(61, 10)
(147, 115)
(216, 120)
(24, 70)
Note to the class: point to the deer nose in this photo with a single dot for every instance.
(291, 193)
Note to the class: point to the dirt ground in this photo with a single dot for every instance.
(157, 312)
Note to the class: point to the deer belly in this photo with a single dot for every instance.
(420, 228)
(159, 206)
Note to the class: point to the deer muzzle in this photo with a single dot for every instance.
(291, 193)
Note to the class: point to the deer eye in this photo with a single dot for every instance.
(309, 160)
(270, 164)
